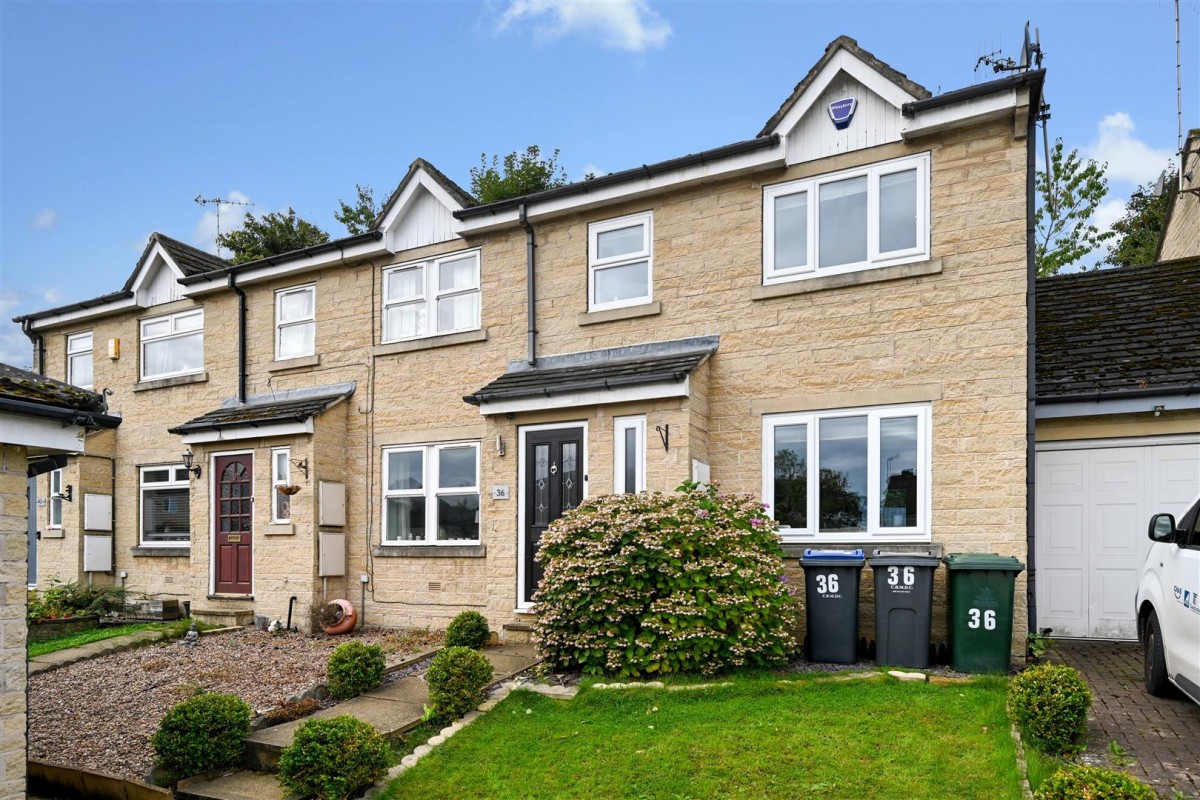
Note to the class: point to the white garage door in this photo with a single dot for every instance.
(1093, 505)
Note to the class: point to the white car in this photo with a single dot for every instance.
(1168, 605)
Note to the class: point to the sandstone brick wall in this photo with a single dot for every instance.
(1181, 239)
(13, 549)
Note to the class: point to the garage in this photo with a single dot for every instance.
(1093, 503)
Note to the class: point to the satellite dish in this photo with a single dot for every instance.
(1025, 49)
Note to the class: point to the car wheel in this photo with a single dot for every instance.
(1155, 665)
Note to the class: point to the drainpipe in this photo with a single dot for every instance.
(532, 295)
(1035, 101)
(39, 348)
(241, 337)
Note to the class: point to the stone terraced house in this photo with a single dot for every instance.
(846, 294)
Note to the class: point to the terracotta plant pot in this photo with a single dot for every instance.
(347, 622)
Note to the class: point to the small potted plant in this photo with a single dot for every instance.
(287, 489)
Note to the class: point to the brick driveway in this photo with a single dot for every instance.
(1161, 736)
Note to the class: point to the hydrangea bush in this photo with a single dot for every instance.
(652, 584)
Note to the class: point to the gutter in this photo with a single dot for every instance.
(39, 346)
(1034, 79)
(292, 255)
(93, 420)
(1100, 397)
(531, 291)
(625, 176)
(241, 395)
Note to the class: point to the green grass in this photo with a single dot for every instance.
(1041, 766)
(100, 634)
(761, 737)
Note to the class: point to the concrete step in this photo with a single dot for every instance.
(232, 786)
(229, 617)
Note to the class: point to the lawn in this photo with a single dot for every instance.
(761, 737)
(100, 634)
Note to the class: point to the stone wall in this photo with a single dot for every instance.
(13, 548)
(1181, 239)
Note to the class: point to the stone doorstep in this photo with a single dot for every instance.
(239, 617)
(232, 786)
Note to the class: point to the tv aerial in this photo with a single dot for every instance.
(201, 200)
(1031, 54)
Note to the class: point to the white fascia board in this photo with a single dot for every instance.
(144, 269)
(1116, 405)
(855, 68)
(86, 313)
(935, 120)
(289, 267)
(724, 168)
(44, 434)
(593, 397)
(244, 432)
(421, 178)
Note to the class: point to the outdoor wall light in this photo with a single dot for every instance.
(188, 458)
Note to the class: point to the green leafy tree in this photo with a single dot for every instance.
(270, 235)
(358, 217)
(1068, 198)
(517, 174)
(1139, 230)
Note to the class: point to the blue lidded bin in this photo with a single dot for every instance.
(831, 580)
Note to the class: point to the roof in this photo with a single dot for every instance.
(1033, 77)
(294, 406)
(619, 367)
(190, 260)
(36, 395)
(79, 305)
(453, 189)
(1117, 331)
(848, 44)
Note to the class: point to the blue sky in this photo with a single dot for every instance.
(116, 115)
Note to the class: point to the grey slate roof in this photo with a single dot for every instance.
(190, 260)
(614, 368)
(453, 189)
(296, 406)
(1119, 330)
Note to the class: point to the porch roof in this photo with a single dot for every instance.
(262, 410)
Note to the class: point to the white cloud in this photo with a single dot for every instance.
(591, 169)
(53, 295)
(623, 24)
(45, 219)
(15, 348)
(1129, 158)
(205, 235)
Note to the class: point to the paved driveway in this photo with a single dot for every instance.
(1161, 736)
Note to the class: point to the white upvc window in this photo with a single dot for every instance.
(621, 262)
(847, 221)
(432, 297)
(79, 360)
(166, 506)
(295, 322)
(431, 494)
(56, 498)
(281, 475)
(872, 468)
(173, 345)
(629, 456)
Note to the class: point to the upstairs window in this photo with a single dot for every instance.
(173, 345)
(166, 506)
(431, 494)
(79, 360)
(847, 221)
(295, 322)
(620, 262)
(433, 297)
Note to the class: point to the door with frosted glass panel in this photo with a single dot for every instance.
(553, 476)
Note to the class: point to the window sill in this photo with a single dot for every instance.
(175, 380)
(430, 342)
(161, 552)
(614, 314)
(796, 549)
(281, 364)
(864, 276)
(431, 551)
(279, 529)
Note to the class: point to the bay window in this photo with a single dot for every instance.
(849, 474)
(431, 494)
(847, 221)
(428, 298)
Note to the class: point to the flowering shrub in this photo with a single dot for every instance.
(646, 584)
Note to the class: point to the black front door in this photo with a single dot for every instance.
(553, 476)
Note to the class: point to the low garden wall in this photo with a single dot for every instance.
(41, 630)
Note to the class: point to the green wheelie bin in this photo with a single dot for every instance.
(980, 618)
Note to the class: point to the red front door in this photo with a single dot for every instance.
(234, 479)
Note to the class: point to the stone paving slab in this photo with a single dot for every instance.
(234, 786)
(116, 644)
(1161, 735)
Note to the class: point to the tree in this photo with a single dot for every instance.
(1140, 229)
(1068, 196)
(518, 174)
(358, 217)
(270, 235)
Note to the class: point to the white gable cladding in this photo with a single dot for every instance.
(424, 220)
(875, 122)
(162, 287)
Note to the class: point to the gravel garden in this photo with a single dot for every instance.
(100, 714)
